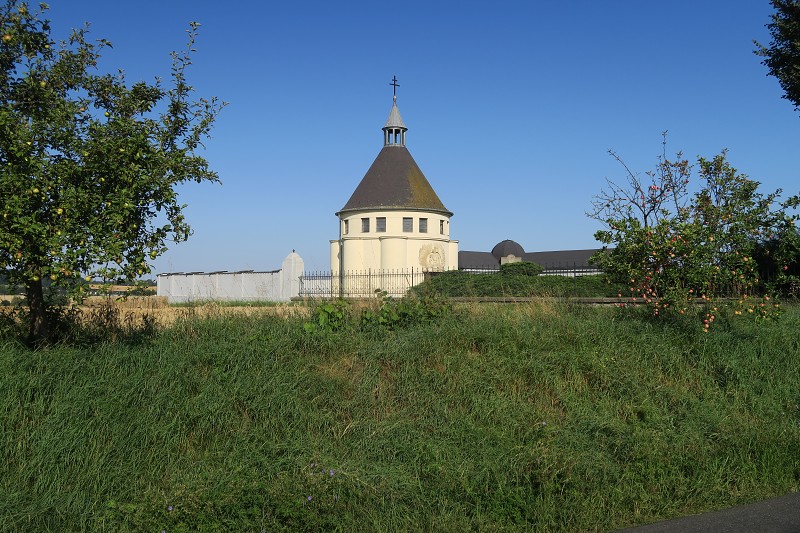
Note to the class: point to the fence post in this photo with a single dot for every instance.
(575, 275)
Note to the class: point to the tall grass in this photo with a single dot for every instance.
(530, 417)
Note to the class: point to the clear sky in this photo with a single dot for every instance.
(511, 108)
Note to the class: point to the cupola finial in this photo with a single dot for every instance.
(394, 132)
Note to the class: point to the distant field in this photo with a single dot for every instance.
(134, 308)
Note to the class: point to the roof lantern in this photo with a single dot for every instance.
(394, 132)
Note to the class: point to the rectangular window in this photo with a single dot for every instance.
(408, 224)
(364, 225)
(441, 227)
(423, 225)
(346, 229)
(380, 224)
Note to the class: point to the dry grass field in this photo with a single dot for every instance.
(133, 309)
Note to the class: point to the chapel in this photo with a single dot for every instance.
(394, 220)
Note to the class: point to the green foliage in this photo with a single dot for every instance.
(511, 283)
(329, 316)
(783, 55)
(778, 263)
(405, 312)
(522, 268)
(382, 314)
(88, 162)
(507, 418)
(672, 247)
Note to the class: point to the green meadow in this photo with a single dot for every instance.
(526, 417)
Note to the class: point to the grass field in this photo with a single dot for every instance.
(539, 417)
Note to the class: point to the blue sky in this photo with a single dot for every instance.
(511, 108)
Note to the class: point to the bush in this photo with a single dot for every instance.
(671, 246)
(401, 313)
(329, 316)
(524, 268)
(384, 314)
(508, 283)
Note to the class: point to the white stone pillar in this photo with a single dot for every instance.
(291, 270)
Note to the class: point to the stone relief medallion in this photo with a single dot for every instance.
(431, 256)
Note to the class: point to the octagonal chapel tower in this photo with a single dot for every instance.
(394, 220)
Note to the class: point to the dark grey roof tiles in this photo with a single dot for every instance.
(476, 260)
(561, 258)
(394, 181)
(554, 260)
(506, 248)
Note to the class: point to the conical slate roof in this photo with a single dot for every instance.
(395, 120)
(394, 181)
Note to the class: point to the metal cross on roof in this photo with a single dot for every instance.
(394, 85)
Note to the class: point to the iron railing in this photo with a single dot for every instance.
(550, 269)
(360, 284)
(368, 283)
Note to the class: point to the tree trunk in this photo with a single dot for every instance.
(39, 327)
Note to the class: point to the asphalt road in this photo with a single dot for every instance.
(776, 515)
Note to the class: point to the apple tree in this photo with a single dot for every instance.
(685, 233)
(88, 162)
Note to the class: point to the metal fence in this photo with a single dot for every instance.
(571, 270)
(367, 283)
(360, 284)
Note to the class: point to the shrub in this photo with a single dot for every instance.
(408, 311)
(507, 283)
(385, 314)
(524, 268)
(671, 246)
(329, 316)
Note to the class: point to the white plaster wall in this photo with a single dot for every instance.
(291, 270)
(452, 255)
(278, 285)
(335, 264)
(394, 249)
